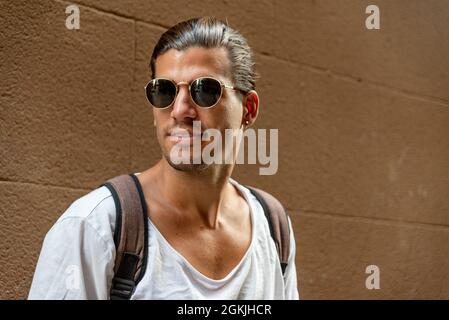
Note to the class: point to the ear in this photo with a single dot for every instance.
(250, 108)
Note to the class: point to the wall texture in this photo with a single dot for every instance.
(363, 119)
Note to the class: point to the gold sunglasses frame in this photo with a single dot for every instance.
(189, 84)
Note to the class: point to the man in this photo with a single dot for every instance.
(208, 236)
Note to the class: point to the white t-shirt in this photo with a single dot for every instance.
(78, 254)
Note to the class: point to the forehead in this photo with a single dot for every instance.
(193, 62)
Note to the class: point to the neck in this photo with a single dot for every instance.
(197, 195)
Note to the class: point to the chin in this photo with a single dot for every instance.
(187, 167)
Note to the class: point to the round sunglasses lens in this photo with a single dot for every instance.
(161, 92)
(205, 92)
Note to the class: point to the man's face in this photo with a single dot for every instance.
(185, 66)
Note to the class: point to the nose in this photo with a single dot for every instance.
(183, 108)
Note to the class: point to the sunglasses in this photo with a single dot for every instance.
(205, 92)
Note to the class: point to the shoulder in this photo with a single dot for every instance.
(261, 200)
(80, 246)
(267, 201)
(89, 204)
(274, 211)
(94, 211)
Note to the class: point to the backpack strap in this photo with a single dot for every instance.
(130, 235)
(278, 222)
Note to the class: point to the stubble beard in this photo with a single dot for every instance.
(187, 167)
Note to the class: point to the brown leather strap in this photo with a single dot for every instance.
(278, 221)
(130, 236)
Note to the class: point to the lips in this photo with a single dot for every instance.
(183, 135)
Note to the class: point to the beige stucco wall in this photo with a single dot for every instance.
(363, 119)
